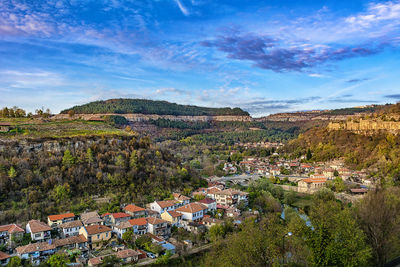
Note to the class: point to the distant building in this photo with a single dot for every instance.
(311, 185)
(135, 211)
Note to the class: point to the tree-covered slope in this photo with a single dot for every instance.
(144, 106)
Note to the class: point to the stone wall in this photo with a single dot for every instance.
(369, 126)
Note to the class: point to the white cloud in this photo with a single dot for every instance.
(183, 9)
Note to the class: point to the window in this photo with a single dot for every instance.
(98, 236)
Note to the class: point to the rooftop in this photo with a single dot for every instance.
(133, 208)
(61, 216)
(192, 208)
(38, 226)
(96, 229)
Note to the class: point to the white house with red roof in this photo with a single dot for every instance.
(135, 211)
(211, 204)
(54, 220)
(193, 211)
(139, 225)
(165, 205)
(39, 230)
(9, 232)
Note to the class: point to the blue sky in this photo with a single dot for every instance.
(263, 56)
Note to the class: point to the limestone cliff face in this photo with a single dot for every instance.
(145, 117)
(54, 146)
(368, 126)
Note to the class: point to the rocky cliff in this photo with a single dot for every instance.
(366, 126)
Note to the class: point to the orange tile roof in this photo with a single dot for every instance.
(38, 226)
(11, 228)
(153, 220)
(96, 229)
(4, 256)
(133, 208)
(192, 208)
(120, 215)
(61, 216)
(314, 180)
(32, 247)
(126, 253)
(174, 214)
(166, 203)
(138, 221)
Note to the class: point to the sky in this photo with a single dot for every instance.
(263, 56)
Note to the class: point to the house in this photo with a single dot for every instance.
(230, 197)
(173, 217)
(94, 262)
(121, 228)
(128, 255)
(115, 218)
(72, 242)
(71, 228)
(211, 204)
(36, 252)
(310, 185)
(135, 211)
(54, 220)
(159, 227)
(358, 191)
(139, 225)
(161, 206)
(181, 198)
(232, 212)
(193, 211)
(159, 241)
(212, 191)
(39, 230)
(10, 232)
(91, 218)
(4, 258)
(95, 234)
(208, 221)
(152, 213)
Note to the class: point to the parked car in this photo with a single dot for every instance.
(151, 255)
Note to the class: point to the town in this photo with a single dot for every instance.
(91, 237)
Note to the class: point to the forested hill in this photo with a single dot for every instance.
(144, 106)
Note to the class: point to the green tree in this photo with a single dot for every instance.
(12, 173)
(68, 160)
(216, 231)
(309, 154)
(379, 215)
(336, 239)
(89, 156)
(128, 236)
(58, 260)
(15, 262)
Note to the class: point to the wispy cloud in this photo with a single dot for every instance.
(394, 96)
(182, 8)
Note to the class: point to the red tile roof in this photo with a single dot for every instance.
(61, 216)
(133, 208)
(314, 180)
(166, 203)
(192, 208)
(4, 256)
(206, 201)
(153, 220)
(120, 215)
(138, 221)
(11, 228)
(97, 229)
(126, 253)
(37, 226)
(174, 214)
